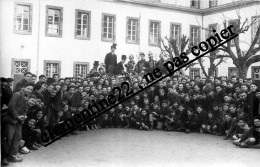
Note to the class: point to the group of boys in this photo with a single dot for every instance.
(206, 105)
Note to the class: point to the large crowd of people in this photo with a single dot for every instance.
(213, 105)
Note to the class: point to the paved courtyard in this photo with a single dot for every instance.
(129, 147)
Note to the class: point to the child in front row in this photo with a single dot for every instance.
(189, 121)
(171, 122)
(143, 121)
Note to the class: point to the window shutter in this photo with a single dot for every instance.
(15, 13)
(207, 32)
(218, 28)
(114, 28)
(89, 24)
(76, 22)
(30, 19)
(127, 20)
(199, 33)
(61, 22)
(191, 35)
(159, 33)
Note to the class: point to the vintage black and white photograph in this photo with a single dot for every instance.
(130, 83)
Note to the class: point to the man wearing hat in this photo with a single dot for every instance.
(111, 60)
(120, 66)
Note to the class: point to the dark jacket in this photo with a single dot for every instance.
(119, 68)
(17, 106)
(6, 95)
(19, 85)
(251, 133)
(110, 61)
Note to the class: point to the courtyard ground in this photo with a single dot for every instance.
(129, 147)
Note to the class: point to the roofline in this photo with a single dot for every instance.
(202, 12)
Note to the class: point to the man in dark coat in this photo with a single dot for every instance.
(252, 101)
(111, 60)
(120, 66)
(14, 118)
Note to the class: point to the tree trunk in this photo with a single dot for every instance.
(242, 71)
(211, 70)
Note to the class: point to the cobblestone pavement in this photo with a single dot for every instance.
(129, 147)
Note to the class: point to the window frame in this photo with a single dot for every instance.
(193, 68)
(252, 72)
(14, 60)
(252, 29)
(215, 72)
(51, 61)
(113, 40)
(22, 32)
(231, 68)
(80, 63)
(180, 33)
(229, 23)
(210, 3)
(199, 35)
(159, 32)
(61, 21)
(211, 25)
(137, 30)
(77, 11)
(197, 6)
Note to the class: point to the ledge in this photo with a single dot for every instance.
(206, 11)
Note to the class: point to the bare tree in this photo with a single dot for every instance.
(243, 59)
(173, 49)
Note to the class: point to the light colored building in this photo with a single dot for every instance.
(67, 36)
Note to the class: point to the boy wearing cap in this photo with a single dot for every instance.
(151, 64)
(141, 64)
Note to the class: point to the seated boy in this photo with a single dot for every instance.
(127, 116)
(252, 137)
(211, 124)
(143, 121)
(202, 117)
(190, 121)
(29, 134)
(240, 129)
(225, 125)
(154, 116)
(171, 122)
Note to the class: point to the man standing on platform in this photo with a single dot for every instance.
(111, 60)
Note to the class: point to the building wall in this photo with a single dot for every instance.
(37, 47)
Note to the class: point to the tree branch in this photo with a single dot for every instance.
(252, 60)
(249, 53)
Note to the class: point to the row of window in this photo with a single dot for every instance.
(83, 21)
(193, 3)
(82, 68)
(20, 66)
